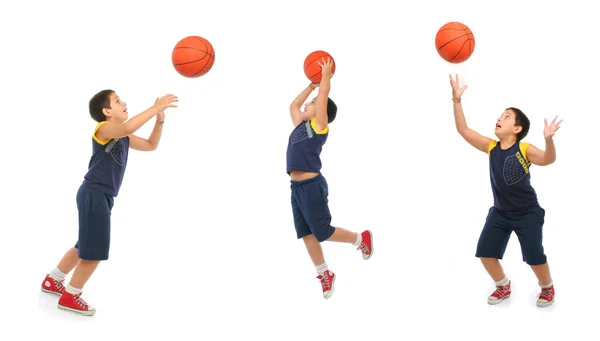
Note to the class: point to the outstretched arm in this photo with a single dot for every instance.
(547, 157)
(295, 107)
(475, 139)
(150, 144)
(323, 97)
(113, 130)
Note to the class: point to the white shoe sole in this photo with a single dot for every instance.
(496, 301)
(80, 312)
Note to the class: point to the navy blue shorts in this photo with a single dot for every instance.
(94, 223)
(527, 224)
(310, 208)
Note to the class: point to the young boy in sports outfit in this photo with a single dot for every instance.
(516, 206)
(111, 141)
(312, 218)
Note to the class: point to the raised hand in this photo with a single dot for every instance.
(326, 67)
(165, 102)
(456, 90)
(550, 129)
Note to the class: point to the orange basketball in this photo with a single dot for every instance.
(455, 42)
(312, 69)
(193, 56)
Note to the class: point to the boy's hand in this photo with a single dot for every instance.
(326, 67)
(161, 114)
(456, 90)
(165, 102)
(313, 86)
(550, 129)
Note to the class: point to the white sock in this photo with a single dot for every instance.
(72, 290)
(321, 268)
(358, 240)
(57, 274)
(547, 285)
(502, 282)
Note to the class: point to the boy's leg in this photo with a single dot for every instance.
(493, 268)
(490, 249)
(315, 251)
(54, 281)
(363, 241)
(318, 216)
(93, 246)
(313, 246)
(529, 232)
(69, 261)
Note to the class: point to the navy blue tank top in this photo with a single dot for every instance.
(107, 164)
(510, 177)
(304, 147)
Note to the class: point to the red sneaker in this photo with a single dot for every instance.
(327, 280)
(546, 297)
(75, 304)
(501, 293)
(52, 286)
(366, 247)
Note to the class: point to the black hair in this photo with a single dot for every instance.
(331, 110)
(100, 101)
(522, 121)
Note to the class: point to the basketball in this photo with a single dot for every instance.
(193, 56)
(455, 42)
(312, 69)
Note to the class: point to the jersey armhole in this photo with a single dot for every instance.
(523, 148)
(491, 146)
(313, 124)
(96, 137)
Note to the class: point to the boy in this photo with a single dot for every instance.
(309, 188)
(111, 140)
(516, 207)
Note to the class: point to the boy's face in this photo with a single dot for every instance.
(118, 109)
(310, 109)
(505, 125)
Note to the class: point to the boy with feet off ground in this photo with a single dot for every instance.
(312, 218)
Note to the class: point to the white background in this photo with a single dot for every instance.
(203, 242)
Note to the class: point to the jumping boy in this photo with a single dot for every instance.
(111, 141)
(516, 206)
(312, 218)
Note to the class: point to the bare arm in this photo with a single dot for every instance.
(475, 139)
(149, 144)
(295, 107)
(547, 157)
(114, 130)
(322, 98)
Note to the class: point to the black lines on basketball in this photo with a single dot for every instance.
(464, 35)
(193, 56)
(312, 69)
(454, 42)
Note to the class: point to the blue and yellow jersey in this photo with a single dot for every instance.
(107, 164)
(510, 177)
(304, 147)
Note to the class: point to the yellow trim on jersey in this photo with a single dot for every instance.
(523, 147)
(96, 138)
(313, 124)
(491, 146)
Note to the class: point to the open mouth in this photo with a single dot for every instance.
(498, 126)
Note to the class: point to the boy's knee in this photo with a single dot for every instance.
(324, 234)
